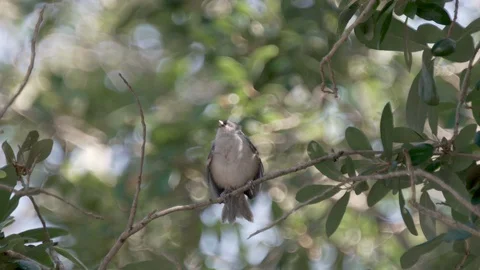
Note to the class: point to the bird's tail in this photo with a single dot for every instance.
(236, 206)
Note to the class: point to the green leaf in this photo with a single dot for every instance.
(407, 217)
(476, 110)
(383, 22)
(411, 256)
(308, 192)
(427, 223)
(39, 233)
(39, 254)
(361, 187)
(65, 253)
(407, 54)
(406, 135)
(377, 192)
(40, 151)
(455, 235)
(10, 180)
(433, 119)
(8, 152)
(386, 131)
(357, 140)
(464, 47)
(336, 214)
(345, 17)
(11, 206)
(465, 137)
(231, 70)
(420, 153)
(452, 179)
(444, 47)
(429, 33)
(433, 12)
(350, 167)
(26, 265)
(2, 174)
(327, 167)
(476, 140)
(30, 140)
(426, 84)
(416, 109)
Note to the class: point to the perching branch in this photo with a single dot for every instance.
(30, 66)
(133, 210)
(463, 92)
(455, 15)
(327, 58)
(37, 191)
(465, 255)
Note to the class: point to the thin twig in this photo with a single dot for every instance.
(133, 210)
(295, 209)
(327, 58)
(30, 66)
(465, 255)
(463, 93)
(37, 191)
(455, 14)
(15, 255)
(445, 219)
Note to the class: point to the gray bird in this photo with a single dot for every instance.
(233, 161)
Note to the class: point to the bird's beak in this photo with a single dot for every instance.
(221, 123)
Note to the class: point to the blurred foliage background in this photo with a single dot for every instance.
(192, 63)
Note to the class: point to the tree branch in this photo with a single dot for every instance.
(30, 66)
(37, 191)
(133, 210)
(327, 58)
(455, 14)
(465, 256)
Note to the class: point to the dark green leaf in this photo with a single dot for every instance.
(429, 33)
(8, 152)
(30, 140)
(350, 166)
(11, 206)
(452, 179)
(407, 54)
(357, 140)
(465, 137)
(39, 233)
(383, 22)
(327, 167)
(476, 110)
(40, 151)
(406, 135)
(361, 187)
(473, 27)
(377, 192)
(10, 180)
(433, 119)
(444, 47)
(39, 253)
(407, 217)
(465, 44)
(421, 153)
(65, 253)
(345, 17)
(336, 214)
(416, 110)
(433, 12)
(427, 89)
(386, 131)
(308, 192)
(427, 223)
(411, 256)
(410, 10)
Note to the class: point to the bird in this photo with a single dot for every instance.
(232, 162)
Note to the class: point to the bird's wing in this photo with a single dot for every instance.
(214, 189)
(253, 191)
